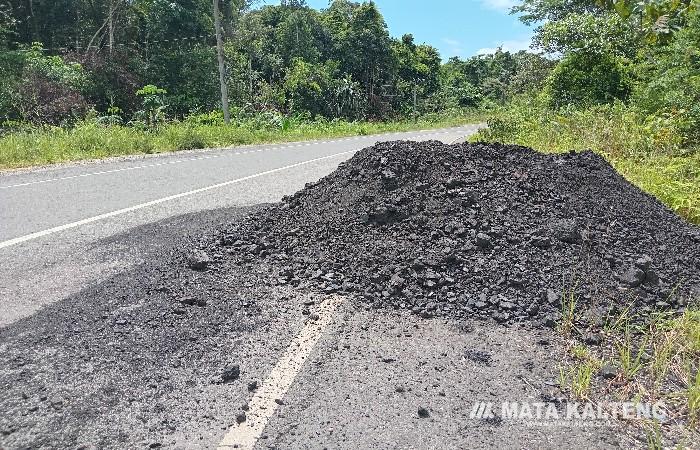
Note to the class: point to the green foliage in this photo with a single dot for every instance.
(191, 78)
(300, 35)
(154, 104)
(113, 116)
(535, 11)
(49, 90)
(584, 78)
(308, 87)
(417, 71)
(339, 62)
(7, 25)
(458, 91)
(590, 33)
(657, 20)
(671, 77)
(55, 68)
(11, 67)
(495, 77)
(89, 140)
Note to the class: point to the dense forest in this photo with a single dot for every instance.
(642, 56)
(146, 60)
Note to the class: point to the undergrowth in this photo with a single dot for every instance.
(92, 140)
(651, 358)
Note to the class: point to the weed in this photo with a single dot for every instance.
(577, 379)
(654, 438)
(631, 358)
(580, 352)
(694, 399)
(568, 309)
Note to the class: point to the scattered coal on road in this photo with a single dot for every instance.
(475, 230)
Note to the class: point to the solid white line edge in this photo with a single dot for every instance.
(68, 226)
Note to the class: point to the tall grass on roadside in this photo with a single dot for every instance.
(91, 140)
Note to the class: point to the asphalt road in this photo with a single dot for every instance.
(98, 351)
(50, 218)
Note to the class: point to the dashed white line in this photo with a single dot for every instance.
(263, 405)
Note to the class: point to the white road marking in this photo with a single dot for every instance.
(263, 405)
(118, 212)
(143, 166)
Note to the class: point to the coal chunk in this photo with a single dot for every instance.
(633, 277)
(199, 260)
(231, 373)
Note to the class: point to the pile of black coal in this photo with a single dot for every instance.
(475, 230)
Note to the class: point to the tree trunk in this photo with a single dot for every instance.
(111, 26)
(222, 67)
(34, 22)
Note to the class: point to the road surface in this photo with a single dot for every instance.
(96, 353)
(50, 218)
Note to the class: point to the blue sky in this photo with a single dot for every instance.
(456, 27)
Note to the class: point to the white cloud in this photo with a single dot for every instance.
(454, 47)
(507, 46)
(499, 5)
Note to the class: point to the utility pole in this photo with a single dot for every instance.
(222, 68)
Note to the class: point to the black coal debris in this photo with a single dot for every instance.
(473, 230)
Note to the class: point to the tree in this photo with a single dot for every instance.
(532, 12)
(7, 26)
(592, 33)
(308, 87)
(671, 79)
(418, 71)
(50, 90)
(367, 54)
(300, 35)
(586, 78)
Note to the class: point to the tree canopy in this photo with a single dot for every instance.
(337, 62)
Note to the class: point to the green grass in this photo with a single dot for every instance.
(674, 180)
(89, 140)
(568, 310)
(659, 357)
(577, 377)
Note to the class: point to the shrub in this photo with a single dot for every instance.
(588, 78)
(671, 77)
(51, 90)
(154, 104)
(615, 129)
